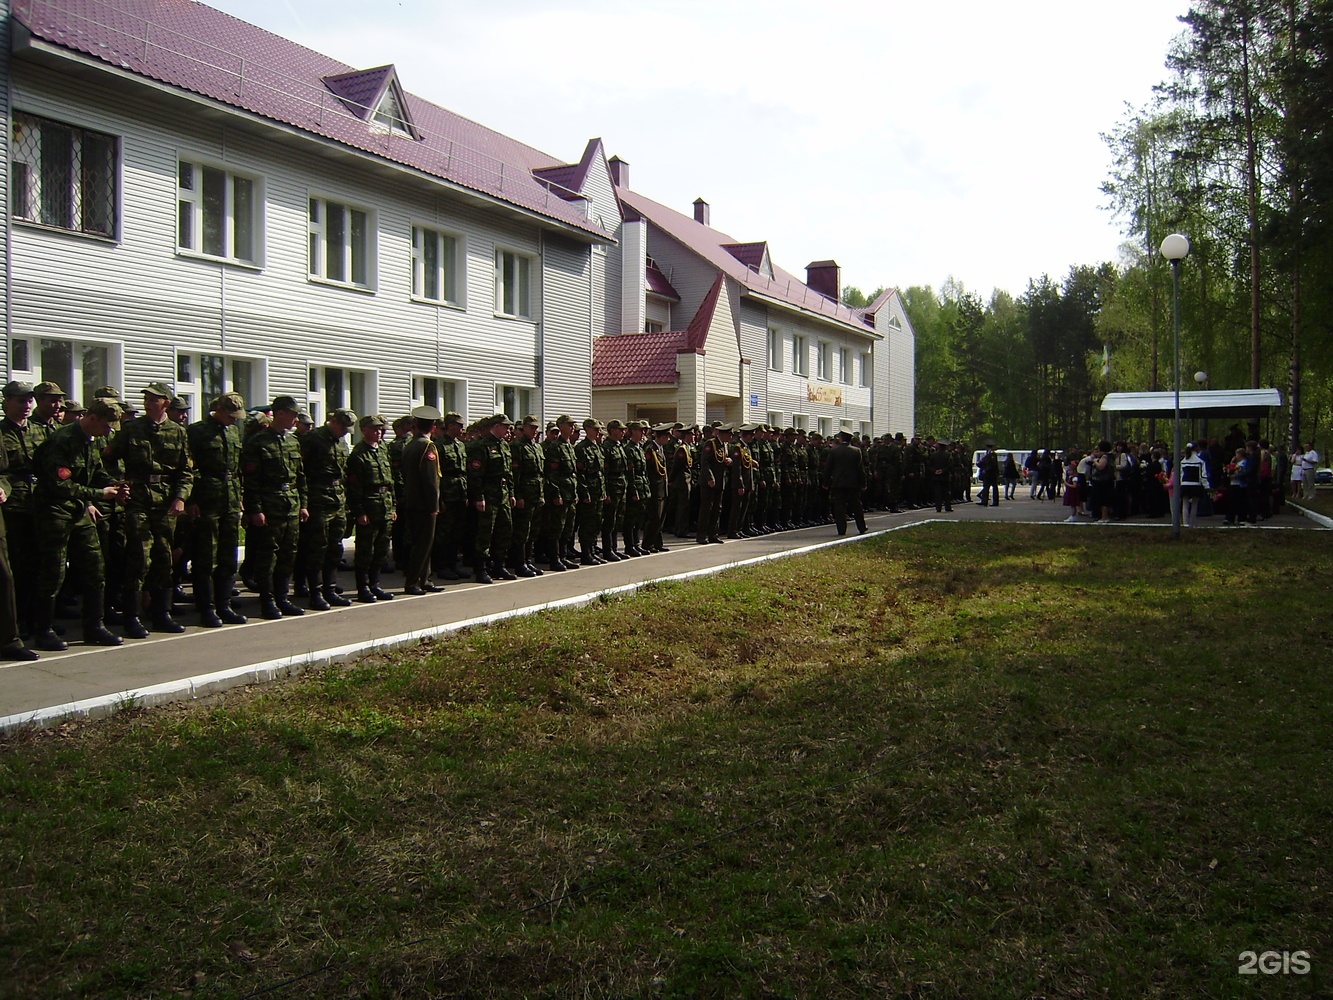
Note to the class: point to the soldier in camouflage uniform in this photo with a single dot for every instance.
(19, 439)
(421, 499)
(714, 464)
(324, 455)
(616, 476)
(402, 433)
(370, 508)
(214, 507)
(154, 457)
(529, 479)
(490, 491)
(562, 494)
(589, 467)
(636, 497)
(655, 463)
(680, 482)
(275, 504)
(451, 525)
(70, 477)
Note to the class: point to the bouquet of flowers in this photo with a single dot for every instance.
(1161, 478)
(1231, 468)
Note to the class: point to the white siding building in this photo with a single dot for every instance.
(197, 201)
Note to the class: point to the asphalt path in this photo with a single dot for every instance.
(93, 681)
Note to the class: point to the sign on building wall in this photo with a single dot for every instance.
(823, 394)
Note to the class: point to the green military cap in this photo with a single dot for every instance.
(158, 389)
(371, 420)
(500, 418)
(591, 422)
(899, 436)
(74, 406)
(402, 423)
(531, 421)
(108, 409)
(178, 404)
(453, 418)
(106, 392)
(426, 413)
(230, 401)
(19, 389)
(303, 417)
(51, 389)
(344, 416)
(552, 426)
(287, 403)
(564, 418)
(614, 425)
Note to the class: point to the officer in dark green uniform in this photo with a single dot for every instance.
(451, 525)
(402, 433)
(324, 454)
(529, 496)
(275, 504)
(589, 466)
(490, 491)
(615, 472)
(19, 440)
(562, 494)
(214, 508)
(714, 463)
(421, 499)
(370, 508)
(11, 644)
(655, 465)
(154, 458)
(70, 477)
(680, 481)
(742, 482)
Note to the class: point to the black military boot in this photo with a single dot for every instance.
(223, 584)
(481, 576)
(203, 601)
(363, 594)
(380, 593)
(528, 556)
(162, 620)
(282, 600)
(315, 594)
(499, 570)
(130, 623)
(268, 606)
(43, 618)
(609, 553)
(331, 593)
(94, 632)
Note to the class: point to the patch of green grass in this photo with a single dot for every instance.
(971, 760)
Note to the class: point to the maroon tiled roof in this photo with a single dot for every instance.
(360, 89)
(696, 335)
(749, 254)
(657, 283)
(204, 51)
(569, 178)
(636, 358)
(712, 245)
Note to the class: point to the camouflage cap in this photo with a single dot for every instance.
(344, 416)
(74, 406)
(531, 421)
(500, 418)
(552, 428)
(371, 420)
(51, 389)
(304, 418)
(107, 409)
(158, 389)
(565, 419)
(106, 392)
(287, 403)
(230, 401)
(453, 417)
(178, 404)
(614, 425)
(19, 389)
(592, 422)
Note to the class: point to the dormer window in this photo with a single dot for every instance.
(374, 96)
(389, 113)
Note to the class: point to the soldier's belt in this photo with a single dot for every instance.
(148, 480)
(325, 480)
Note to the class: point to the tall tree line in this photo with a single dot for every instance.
(1236, 152)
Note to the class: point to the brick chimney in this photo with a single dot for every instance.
(701, 211)
(619, 172)
(825, 277)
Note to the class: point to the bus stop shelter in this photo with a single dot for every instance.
(1199, 404)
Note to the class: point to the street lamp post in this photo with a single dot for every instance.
(1176, 248)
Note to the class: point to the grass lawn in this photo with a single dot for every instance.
(966, 760)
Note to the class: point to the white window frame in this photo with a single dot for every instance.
(825, 426)
(775, 419)
(800, 355)
(190, 383)
(522, 399)
(800, 421)
(865, 370)
(845, 365)
(320, 209)
(525, 266)
(81, 384)
(652, 326)
(445, 394)
(191, 201)
(775, 341)
(824, 360)
(22, 153)
(450, 268)
(865, 428)
(322, 399)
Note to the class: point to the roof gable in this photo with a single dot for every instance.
(373, 95)
(752, 255)
(568, 179)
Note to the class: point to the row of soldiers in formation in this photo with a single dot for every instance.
(127, 496)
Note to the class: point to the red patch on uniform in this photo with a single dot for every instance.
(553, 465)
(251, 466)
(476, 463)
(64, 473)
(430, 456)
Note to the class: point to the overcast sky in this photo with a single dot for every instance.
(909, 141)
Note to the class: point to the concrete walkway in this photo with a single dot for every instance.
(94, 681)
